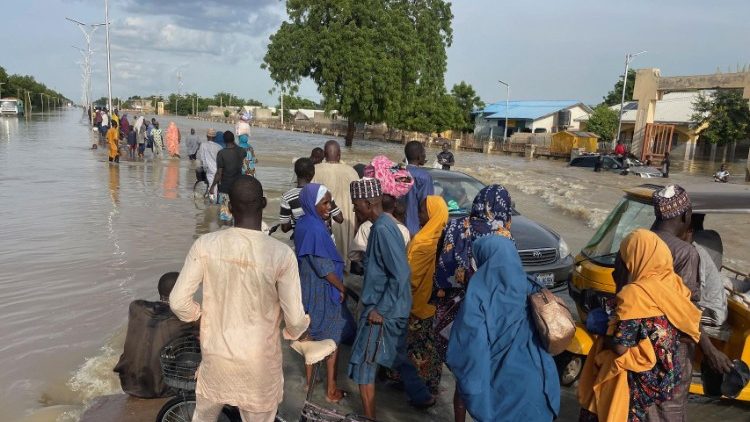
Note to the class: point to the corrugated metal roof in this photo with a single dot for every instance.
(527, 110)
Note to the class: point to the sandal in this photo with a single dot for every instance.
(331, 400)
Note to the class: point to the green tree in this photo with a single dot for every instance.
(21, 85)
(294, 102)
(603, 121)
(372, 60)
(614, 96)
(467, 101)
(726, 114)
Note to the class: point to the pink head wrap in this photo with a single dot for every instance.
(394, 179)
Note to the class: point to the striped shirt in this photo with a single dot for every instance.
(291, 208)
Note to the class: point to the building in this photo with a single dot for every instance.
(142, 105)
(529, 116)
(652, 138)
(674, 109)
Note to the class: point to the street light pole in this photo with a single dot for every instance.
(109, 63)
(507, 101)
(628, 59)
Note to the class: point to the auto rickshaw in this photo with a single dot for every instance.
(592, 284)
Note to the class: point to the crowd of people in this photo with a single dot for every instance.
(434, 291)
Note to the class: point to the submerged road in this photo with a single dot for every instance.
(82, 238)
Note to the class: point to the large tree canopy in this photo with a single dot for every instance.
(372, 60)
(727, 116)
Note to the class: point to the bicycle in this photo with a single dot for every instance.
(179, 360)
(201, 195)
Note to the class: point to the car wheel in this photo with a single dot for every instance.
(569, 367)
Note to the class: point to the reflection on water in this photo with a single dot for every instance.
(82, 238)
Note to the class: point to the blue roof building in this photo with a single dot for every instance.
(529, 116)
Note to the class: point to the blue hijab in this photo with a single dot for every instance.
(311, 236)
(219, 139)
(494, 347)
(491, 213)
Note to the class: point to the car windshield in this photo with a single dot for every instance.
(459, 192)
(626, 217)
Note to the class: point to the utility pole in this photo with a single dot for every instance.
(628, 59)
(507, 111)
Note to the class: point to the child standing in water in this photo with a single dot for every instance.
(113, 138)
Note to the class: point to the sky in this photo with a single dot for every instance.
(545, 49)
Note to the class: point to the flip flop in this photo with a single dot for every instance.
(344, 395)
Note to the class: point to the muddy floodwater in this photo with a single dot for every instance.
(81, 238)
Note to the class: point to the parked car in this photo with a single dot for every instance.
(615, 163)
(544, 253)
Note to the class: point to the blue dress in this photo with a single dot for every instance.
(502, 370)
(329, 318)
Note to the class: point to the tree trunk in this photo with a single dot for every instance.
(349, 138)
(747, 168)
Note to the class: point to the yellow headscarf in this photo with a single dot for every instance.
(655, 290)
(422, 253)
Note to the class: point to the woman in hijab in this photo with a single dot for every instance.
(173, 139)
(243, 131)
(321, 270)
(501, 367)
(490, 215)
(634, 366)
(124, 125)
(422, 254)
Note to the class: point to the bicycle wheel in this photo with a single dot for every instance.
(200, 194)
(180, 409)
(177, 409)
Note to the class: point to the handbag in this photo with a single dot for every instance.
(553, 320)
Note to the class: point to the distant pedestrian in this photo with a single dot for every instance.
(665, 163)
(620, 149)
(132, 142)
(140, 136)
(243, 132)
(104, 127)
(173, 139)
(125, 125)
(228, 170)
(445, 158)
(207, 153)
(192, 144)
(158, 136)
(113, 138)
(722, 175)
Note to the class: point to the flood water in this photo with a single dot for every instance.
(81, 238)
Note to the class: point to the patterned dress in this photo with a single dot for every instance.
(656, 385)
(490, 215)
